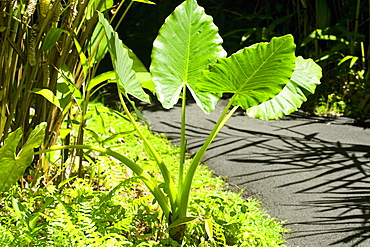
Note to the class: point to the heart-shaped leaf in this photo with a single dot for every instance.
(186, 44)
(305, 79)
(12, 166)
(254, 74)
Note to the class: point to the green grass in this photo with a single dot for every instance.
(111, 207)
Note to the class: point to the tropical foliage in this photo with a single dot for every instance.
(112, 207)
(253, 76)
(334, 33)
(266, 79)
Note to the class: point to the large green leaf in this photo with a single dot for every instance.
(122, 64)
(186, 44)
(304, 80)
(34, 141)
(98, 48)
(254, 74)
(12, 166)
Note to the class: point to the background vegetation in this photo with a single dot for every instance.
(335, 33)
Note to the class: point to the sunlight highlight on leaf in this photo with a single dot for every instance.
(187, 43)
(254, 74)
(304, 81)
(122, 64)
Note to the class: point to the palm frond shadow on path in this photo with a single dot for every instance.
(314, 173)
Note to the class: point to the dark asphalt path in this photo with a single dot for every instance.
(312, 172)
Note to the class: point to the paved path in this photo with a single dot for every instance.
(312, 172)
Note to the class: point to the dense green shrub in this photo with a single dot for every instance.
(111, 207)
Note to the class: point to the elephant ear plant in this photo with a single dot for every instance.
(265, 79)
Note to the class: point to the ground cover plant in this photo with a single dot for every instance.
(112, 207)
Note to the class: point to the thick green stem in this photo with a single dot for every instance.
(183, 141)
(185, 190)
(170, 187)
(144, 176)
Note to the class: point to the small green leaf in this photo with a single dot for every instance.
(181, 221)
(49, 95)
(353, 60)
(110, 75)
(93, 5)
(208, 224)
(67, 89)
(144, 1)
(117, 136)
(320, 34)
(64, 132)
(65, 181)
(51, 38)
(96, 137)
(20, 211)
(32, 220)
(84, 61)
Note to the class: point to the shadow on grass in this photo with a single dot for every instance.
(336, 173)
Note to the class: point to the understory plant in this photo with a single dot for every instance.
(340, 44)
(266, 79)
(49, 56)
(112, 207)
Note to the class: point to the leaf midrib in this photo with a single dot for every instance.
(255, 71)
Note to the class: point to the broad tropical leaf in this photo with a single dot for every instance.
(34, 141)
(187, 43)
(122, 64)
(98, 48)
(12, 166)
(254, 74)
(137, 65)
(304, 80)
